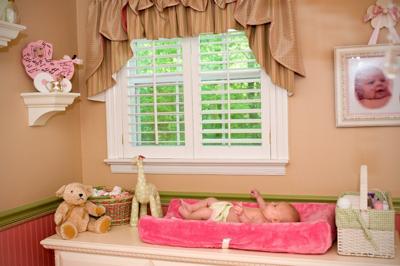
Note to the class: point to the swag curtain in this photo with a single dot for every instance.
(112, 24)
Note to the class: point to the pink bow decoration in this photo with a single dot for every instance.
(375, 11)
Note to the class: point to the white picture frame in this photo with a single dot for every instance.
(357, 103)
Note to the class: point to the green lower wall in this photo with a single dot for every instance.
(31, 211)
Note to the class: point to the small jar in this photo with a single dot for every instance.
(3, 5)
(12, 15)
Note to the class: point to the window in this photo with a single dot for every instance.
(197, 105)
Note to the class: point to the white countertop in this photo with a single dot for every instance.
(124, 241)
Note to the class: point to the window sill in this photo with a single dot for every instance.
(202, 166)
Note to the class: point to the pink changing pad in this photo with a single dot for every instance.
(313, 235)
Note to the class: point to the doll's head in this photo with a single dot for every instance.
(280, 212)
(75, 193)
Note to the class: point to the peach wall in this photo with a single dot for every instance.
(324, 160)
(36, 161)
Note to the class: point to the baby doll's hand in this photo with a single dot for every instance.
(254, 193)
(238, 209)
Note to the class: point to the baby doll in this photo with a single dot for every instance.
(223, 211)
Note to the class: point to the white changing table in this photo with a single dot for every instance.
(121, 246)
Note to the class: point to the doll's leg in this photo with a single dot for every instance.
(143, 209)
(203, 213)
(200, 204)
(101, 225)
(67, 230)
(134, 212)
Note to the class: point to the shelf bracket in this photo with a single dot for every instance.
(8, 32)
(42, 106)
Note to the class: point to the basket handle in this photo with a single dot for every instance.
(362, 217)
(363, 188)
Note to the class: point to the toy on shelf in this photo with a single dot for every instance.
(11, 12)
(145, 193)
(49, 75)
(72, 215)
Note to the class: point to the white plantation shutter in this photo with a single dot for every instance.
(231, 112)
(232, 116)
(230, 91)
(155, 94)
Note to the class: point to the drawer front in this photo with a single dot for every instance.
(64, 258)
(173, 263)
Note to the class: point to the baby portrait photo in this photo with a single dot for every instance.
(372, 88)
(366, 92)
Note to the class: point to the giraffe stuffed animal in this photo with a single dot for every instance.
(145, 193)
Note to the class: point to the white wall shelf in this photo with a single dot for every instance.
(42, 106)
(8, 32)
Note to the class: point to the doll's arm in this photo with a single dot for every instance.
(95, 210)
(60, 213)
(255, 194)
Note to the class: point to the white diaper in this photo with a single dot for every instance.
(220, 211)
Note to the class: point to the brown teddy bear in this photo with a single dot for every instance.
(72, 215)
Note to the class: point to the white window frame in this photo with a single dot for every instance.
(273, 163)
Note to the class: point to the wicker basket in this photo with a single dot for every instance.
(118, 209)
(363, 231)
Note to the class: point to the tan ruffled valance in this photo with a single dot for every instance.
(112, 24)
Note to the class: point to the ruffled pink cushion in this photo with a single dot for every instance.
(313, 235)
